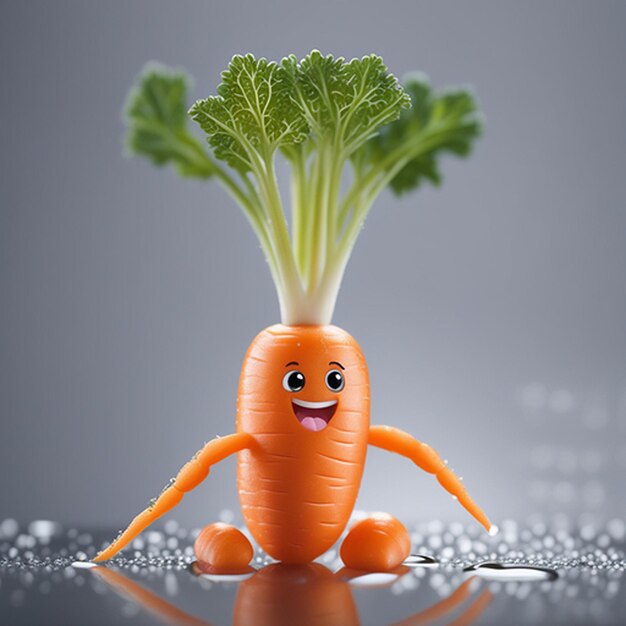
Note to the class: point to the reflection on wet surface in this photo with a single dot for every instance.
(455, 576)
(504, 571)
(308, 595)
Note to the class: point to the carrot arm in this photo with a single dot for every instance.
(396, 440)
(189, 477)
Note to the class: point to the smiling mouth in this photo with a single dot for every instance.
(314, 416)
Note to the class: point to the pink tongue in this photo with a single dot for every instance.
(314, 423)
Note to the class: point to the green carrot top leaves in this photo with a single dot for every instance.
(156, 114)
(345, 102)
(447, 121)
(253, 114)
(348, 129)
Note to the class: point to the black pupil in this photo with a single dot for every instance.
(296, 381)
(334, 380)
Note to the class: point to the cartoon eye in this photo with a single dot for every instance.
(293, 381)
(335, 380)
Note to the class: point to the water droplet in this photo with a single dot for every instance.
(44, 528)
(420, 560)
(617, 529)
(84, 564)
(9, 528)
(503, 571)
(25, 541)
(154, 537)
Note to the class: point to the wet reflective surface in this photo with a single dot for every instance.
(505, 571)
(544, 573)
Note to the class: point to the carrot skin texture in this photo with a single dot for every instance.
(425, 457)
(297, 488)
(192, 474)
(396, 440)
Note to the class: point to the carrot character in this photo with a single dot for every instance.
(303, 403)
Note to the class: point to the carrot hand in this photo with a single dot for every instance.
(189, 477)
(426, 458)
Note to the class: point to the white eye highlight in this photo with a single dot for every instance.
(293, 381)
(335, 380)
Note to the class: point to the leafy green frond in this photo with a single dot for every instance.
(437, 122)
(345, 101)
(252, 113)
(321, 114)
(156, 118)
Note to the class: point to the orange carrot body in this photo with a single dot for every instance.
(303, 429)
(297, 488)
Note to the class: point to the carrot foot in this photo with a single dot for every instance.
(376, 544)
(221, 548)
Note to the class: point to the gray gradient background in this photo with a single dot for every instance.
(492, 311)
